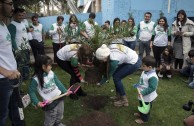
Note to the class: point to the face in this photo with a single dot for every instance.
(130, 22)
(106, 24)
(166, 51)
(24, 15)
(123, 24)
(60, 21)
(35, 21)
(161, 22)
(6, 8)
(192, 59)
(19, 16)
(180, 17)
(146, 68)
(147, 17)
(46, 68)
(117, 23)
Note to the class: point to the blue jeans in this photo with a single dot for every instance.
(9, 102)
(130, 44)
(121, 72)
(144, 45)
(188, 71)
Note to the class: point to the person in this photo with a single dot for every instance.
(68, 58)
(38, 36)
(90, 26)
(130, 40)
(160, 39)
(48, 86)
(145, 29)
(107, 24)
(9, 74)
(116, 31)
(188, 69)
(182, 30)
(147, 86)
(122, 61)
(57, 31)
(20, 43)
(167, 60)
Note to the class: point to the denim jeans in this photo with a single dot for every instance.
(130, 44)
(144, 45)
(9, 103)
(121, 72)
(188, 71)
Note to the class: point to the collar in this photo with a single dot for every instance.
(150, 72)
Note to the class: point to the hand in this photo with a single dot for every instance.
(59, 31)
(11, 74)
(42, 104)
(136, 85)
(68, 93)
(168, 67)
(178, 33)
(185, 34)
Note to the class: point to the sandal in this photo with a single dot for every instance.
(136, 114)
(139, 121)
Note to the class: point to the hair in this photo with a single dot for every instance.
(191, 53)
(166, 23)
(170, 56)
(84, 53)
(123, 21)
(133, 24)
(108, 22)
(149, 61)
(148, 13)
(60, 18)
(185, 17)
(92, 15)
(116, 19)
(103, 27)
(72, 18)
(18, 10)
(33, 17)
(41, 60)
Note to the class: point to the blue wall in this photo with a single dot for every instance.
(120, 8)
(48, 21)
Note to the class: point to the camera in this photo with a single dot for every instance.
(189, 121)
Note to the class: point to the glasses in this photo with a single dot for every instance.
(9, 3)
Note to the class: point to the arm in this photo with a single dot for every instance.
(59, 84)
(12, 30)
(153, 82)
(190, 31)
(52, 31)
(32, 92)
(11, 74)
(43, 35)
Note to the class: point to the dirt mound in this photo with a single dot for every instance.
(95, 118)
(95, 102)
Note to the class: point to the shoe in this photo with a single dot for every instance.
(73, 96)
(160, 75)
(123, 101)
(140, 121)
(169, 76)
(136, 114)
(82, 93)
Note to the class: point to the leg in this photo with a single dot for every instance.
(145, 117)
(50, 117)
(180, 63)
(60, 111)
(141, 49)
(156, 54)
(40, 48)
(147, 46)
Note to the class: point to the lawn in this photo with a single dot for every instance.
(167, 109)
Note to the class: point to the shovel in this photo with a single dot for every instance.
(145, 108)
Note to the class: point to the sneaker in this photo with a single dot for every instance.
(169, 76)
(160, 75)
(73, 96)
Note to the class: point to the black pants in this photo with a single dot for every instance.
(66, 65)
(37, 47)
(157, 53)
(178, 62)
(56, 47)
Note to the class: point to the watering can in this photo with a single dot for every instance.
(145, 108)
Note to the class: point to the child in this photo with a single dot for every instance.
(46, 83)
(166, 62)
(147, 85)
(189, 69)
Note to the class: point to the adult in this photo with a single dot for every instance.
(145, 29)
(38, 36)
(90, 26)
(57, 32)
(107, 24)
(160, 38)
(122, 61)
(130, 40)
(20, 42)
(8, 71)
(182, 30)
(116, 31)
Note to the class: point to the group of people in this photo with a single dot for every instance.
(70, 52)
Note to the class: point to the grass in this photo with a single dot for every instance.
(48, 42)
(167, 109)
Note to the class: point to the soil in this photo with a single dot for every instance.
(95, 118)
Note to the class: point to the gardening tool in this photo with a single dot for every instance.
(73, 89)
(145, 108)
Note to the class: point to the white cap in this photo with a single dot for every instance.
(102, 52)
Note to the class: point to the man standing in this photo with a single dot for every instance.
(145, 29)
(20, 42)
(8, 71)
(57, 32)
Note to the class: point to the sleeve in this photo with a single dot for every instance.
(12, 30)
(190, 31)
(173, 30)
(59, 84)
(112, 67)
(32, 89)
(52, 31)
(169, 34)
(153, 82)
(135, 30)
